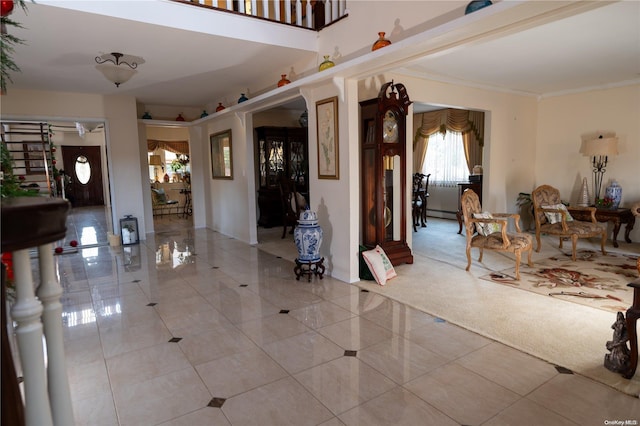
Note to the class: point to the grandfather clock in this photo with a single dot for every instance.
(383, 172)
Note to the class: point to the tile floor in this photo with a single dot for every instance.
(196, 328)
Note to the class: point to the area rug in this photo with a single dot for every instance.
(595, 280)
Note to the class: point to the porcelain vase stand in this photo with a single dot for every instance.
(309, 269)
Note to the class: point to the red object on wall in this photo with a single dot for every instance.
(180, 117)
(6, 7)
(7, 259)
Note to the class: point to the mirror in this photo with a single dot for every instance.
(221, 159)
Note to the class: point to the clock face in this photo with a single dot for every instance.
(390, 128)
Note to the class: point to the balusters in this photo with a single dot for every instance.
(26, 312)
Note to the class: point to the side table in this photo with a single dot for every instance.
(615, 216)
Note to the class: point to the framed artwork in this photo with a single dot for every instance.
(221, 158)
(327, 126)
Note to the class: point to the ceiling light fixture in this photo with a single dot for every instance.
(117, 67)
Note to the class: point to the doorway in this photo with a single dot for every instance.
(83, 170)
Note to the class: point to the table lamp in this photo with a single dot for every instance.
(600, 148)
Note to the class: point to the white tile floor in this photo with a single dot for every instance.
(196, 328)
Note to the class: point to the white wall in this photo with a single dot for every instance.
(227, 209)
(510, 135)
(562, 121)
(123, 154)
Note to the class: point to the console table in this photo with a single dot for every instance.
(615, 216)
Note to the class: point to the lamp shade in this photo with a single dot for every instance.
(116, 74)
(601, 146)
(155, 160)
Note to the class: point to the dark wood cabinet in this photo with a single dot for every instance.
(281, 153)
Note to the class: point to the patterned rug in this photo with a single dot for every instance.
(594, 279)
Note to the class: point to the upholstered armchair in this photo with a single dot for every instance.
(552, 217)
(489, 231)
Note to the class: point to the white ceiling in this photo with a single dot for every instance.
(597, 48)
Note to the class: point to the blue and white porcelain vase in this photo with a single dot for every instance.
(308, 237)
(614, 191)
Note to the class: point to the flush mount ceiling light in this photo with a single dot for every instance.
(117, 67)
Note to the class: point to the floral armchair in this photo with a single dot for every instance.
(489, 231)
(552, 217)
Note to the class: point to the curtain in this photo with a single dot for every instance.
(177, 147)
(469, 123)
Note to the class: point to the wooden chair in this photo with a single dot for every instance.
(419, 200)
(480, 234)
(292, 204)
(547, 207)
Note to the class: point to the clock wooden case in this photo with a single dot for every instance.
(383, 172)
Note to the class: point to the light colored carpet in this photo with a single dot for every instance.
(558, 331)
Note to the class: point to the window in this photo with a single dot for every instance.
(445, 159)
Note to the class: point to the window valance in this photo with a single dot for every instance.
(177, 147)
(457, 120)
(469, 123)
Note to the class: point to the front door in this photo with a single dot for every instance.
(83, 166)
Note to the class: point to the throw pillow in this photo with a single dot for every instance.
(486, 228)
(379, 265)
(365, 273)
(159, 196)
(557, 217)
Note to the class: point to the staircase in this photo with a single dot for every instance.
(32, 154)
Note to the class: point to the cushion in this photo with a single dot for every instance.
(556, 217)
(486, 228)
(379, 265)
(365, 273)
(159, 196)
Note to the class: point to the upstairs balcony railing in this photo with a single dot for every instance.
(311, 14)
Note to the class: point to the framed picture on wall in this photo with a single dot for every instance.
(221, 158)
(327, 127)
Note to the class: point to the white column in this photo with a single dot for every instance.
(276, 7)
(265, 9)
(327, 12)
(26, 312)
(287, 11)
(298, 13)
(309, 14)
(49, 293)
(334, 10)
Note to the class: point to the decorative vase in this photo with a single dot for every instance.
(614, 192)
(308, 237)
(283, 81)
(583, 200)
(180, 117)
(327, 63)
(304, 119)
(220, 107)
(147, 116)
(204, 114)
(380, 42)
(242, 98)
(476, 5)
